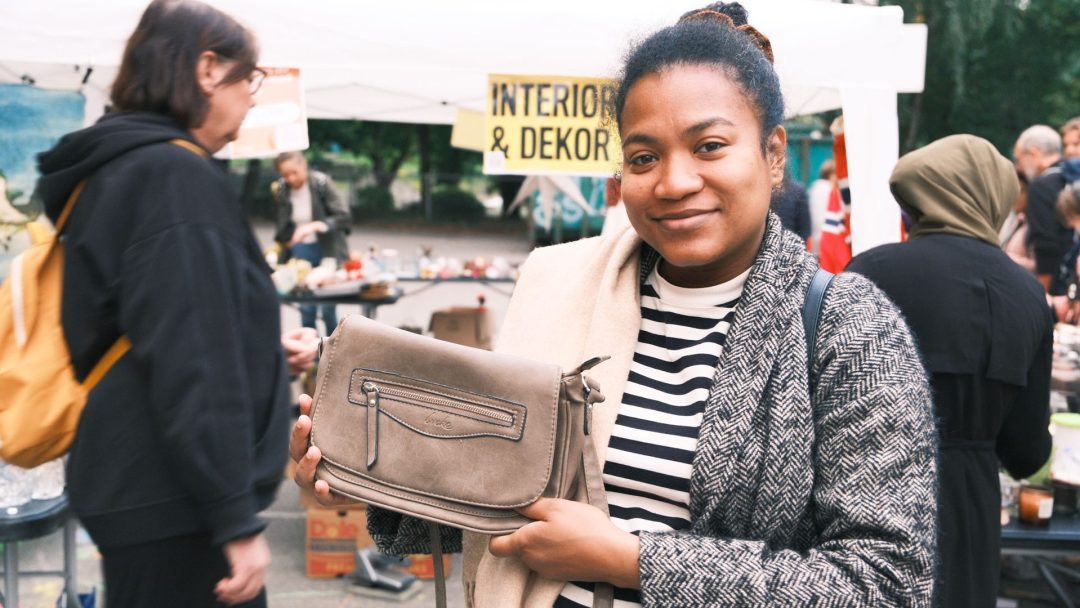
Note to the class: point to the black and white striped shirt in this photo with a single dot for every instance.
(649, 456)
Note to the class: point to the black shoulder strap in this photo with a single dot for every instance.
(811, 310)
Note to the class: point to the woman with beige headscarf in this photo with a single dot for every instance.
(985, 334)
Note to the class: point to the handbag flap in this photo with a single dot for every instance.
(435, 419)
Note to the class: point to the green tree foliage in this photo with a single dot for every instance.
(386, 144)
(993, 68)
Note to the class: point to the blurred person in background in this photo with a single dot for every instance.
(312, 221)
(1070, 139)
(819, 194)
(1014, 232)
(1037, 155)
(790, 204)
(1065, 290)
(985, 334)
(183, 441)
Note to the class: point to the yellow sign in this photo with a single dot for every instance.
(542, 125)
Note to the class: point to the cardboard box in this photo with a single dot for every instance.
(464, 325)
(332, 539)
(423, 567)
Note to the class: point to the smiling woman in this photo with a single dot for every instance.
(737, 471)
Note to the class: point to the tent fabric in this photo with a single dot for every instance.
(423, 60)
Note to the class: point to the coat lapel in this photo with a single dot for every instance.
(613, 331)
(742, 373)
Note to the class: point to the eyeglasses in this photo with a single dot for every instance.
(255, 80)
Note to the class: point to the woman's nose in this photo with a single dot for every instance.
(679, 178)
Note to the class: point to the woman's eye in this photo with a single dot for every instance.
(642, 159)
(711, 146)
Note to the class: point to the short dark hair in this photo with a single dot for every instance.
(157, 73)
(709, 42)
(285, 157)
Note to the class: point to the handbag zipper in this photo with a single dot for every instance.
(407, 396)
(374, 393)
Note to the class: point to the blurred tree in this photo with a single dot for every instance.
(387, 144)
(993, 68)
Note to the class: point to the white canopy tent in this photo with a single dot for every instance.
(422, 60)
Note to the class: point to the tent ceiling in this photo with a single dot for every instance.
(420, 60)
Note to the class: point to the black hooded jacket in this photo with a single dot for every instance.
(187, 433)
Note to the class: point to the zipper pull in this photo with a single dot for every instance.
(588, 405)
(372, 393)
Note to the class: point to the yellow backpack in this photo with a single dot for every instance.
(40, 399)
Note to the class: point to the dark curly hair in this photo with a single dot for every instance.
(711, 42)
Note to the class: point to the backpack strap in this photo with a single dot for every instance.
(69, 205)
(111, 356)
(191, 147)
(811, 310)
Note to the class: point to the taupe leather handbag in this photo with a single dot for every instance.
(450, 434)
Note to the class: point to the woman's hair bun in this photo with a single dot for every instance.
(731, 14)
(732, 10)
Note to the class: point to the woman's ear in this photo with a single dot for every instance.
(776, 154)
(208, 71)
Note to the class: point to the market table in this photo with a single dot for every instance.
(432, 282)
(1060, 539)
(368, 306)
(32, 520)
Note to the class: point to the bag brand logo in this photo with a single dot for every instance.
(441, 421)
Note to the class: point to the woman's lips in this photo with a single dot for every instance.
(685, 221)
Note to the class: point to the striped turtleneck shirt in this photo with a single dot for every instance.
(651, 451)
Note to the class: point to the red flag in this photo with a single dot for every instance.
(835, 250)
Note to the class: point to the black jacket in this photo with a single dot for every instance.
(188, 432)
(985, 333)
(1050, 238)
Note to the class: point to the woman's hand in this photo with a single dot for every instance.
(248, 560)
(303, 231)
(306, 457)
(300, 345)
(572, 541)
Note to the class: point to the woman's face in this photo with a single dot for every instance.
(696, 183)
(227, 104)
(1070, 141)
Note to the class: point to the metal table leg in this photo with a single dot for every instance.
(1046, 570)
(70, 567)
(11, 573)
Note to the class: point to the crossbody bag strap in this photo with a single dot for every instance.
(437, 561)
(811, 311)
(592, 477)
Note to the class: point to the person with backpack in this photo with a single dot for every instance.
(739, 470)
(182, 442)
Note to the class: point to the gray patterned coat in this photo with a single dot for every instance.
(792, 504)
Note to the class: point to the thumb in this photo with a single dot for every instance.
(538, 510)
(505, 546)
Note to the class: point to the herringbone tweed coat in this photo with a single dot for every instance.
(791, 504)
